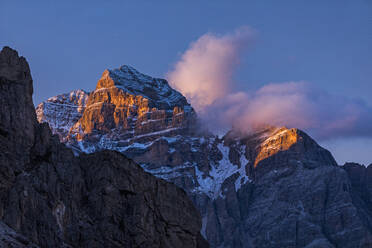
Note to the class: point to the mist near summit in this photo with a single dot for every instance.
(204, 74)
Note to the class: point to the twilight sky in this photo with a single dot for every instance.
(326, 44)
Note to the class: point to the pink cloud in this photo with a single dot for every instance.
(291, 104)
(204, 76)
(204, 71)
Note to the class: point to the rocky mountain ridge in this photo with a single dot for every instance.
(52, 198)
(275, 187)
(70, 107)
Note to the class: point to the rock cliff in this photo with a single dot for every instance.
(273, 187)
(51, 198)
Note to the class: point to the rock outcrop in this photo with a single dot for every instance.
(51, 198)
(62, 112)
(274, 187)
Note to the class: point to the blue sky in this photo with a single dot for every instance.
(69, 43)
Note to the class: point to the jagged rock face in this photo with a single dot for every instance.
(274, 187)
(127, 105)
(16, 111)
(10, 238)
(62, 111)
(276, 148)
(361, 187)
(297, 197)
(302, 207)
(51, 198)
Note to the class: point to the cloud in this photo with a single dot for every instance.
(204, 71)
(292, 104)
(204, 76)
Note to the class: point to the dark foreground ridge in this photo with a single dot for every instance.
(51, 198)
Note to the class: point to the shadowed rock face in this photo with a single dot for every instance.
(51, 198)
(17, 117)
(361, 186)
(298, 197)
(274, 187)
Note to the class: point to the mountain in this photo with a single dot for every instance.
(52, 198)
(273, 187)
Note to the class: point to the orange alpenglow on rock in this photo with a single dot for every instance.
(129, 103)
(280, 140)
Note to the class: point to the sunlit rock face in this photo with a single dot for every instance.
(271, 187)
(276, 148)
(128, 106)
(277, 141)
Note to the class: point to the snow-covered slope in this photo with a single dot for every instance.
(63, 111)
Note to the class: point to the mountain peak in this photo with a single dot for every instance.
(270, 148)
(130, 73)
(133, 82)
(283, 148)
(12, 66)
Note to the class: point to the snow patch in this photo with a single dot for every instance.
(172, 139)
(168, 173)
(211, 184)
(243, 178)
